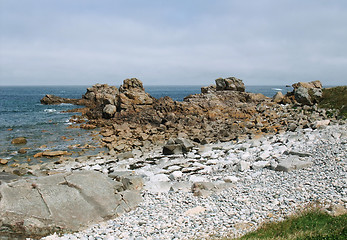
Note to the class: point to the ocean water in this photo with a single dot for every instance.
(47, 127)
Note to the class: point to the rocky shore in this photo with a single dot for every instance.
(228, 189)
(219, 163)
(132, 119)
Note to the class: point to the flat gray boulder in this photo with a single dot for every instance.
(62, 202)
(292, 163)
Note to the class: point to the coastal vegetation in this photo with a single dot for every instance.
(335, 98)
(312, 224)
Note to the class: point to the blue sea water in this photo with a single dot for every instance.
(46, 127)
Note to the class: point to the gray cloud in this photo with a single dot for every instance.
(172, 42)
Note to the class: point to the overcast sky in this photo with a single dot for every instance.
(169, 42)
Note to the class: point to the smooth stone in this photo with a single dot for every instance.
(260, 164)
(176, 175)
(19, 140)
(231, 179)
(244, 166)
(157, 186)
(292, 163)
(194, 178)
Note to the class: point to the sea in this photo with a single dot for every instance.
(48, 127)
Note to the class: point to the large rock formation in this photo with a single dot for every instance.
(132, 119)
(101, 94)
(62, 202)
(305, 93)
(133, 96)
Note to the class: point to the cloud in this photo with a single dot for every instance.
(172, 42)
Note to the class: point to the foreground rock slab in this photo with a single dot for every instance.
(62, 202)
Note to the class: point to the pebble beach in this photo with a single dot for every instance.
(246, 191)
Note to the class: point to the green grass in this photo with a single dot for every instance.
(310, 225)
(335, 98)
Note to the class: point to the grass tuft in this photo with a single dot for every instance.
(310, 225)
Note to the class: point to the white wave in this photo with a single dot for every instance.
(50, 110)
(67, 122)
(65, 104)
(277, 89)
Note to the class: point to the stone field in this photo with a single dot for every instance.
(230, 188)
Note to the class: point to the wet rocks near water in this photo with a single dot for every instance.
(52, 99)
(3, 161)
(51, 154)
(19, 140)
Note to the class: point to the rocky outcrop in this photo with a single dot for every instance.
(231, 83)
(62, 202)
(132, 119)
(305, 93)
(132, 96)
(308, 85)
(52, 99)
(101, 94)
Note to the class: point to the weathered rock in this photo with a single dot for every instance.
(321, 123)
(231, 83)
(307, 93)
(176, 175)
(260, 164)
(52, 99)
(292, 163)
(158, 186)
(101, 94)
(209, 89)
(62, 202)
(278, 97)
(132, 95)
(3, 161)
(172, 149)
(244, 166)
(51, 154)
(231, 179)
(135, 120)
(7, 177)
(202, 189)
(19, 140)
(181, 187)
(109, 110)
(302, 96)
(133, 183)
(177, 146)
(23, 150)
(87, 126)
(308, 85)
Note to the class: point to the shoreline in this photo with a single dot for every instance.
(247, 199)
(193, 157)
